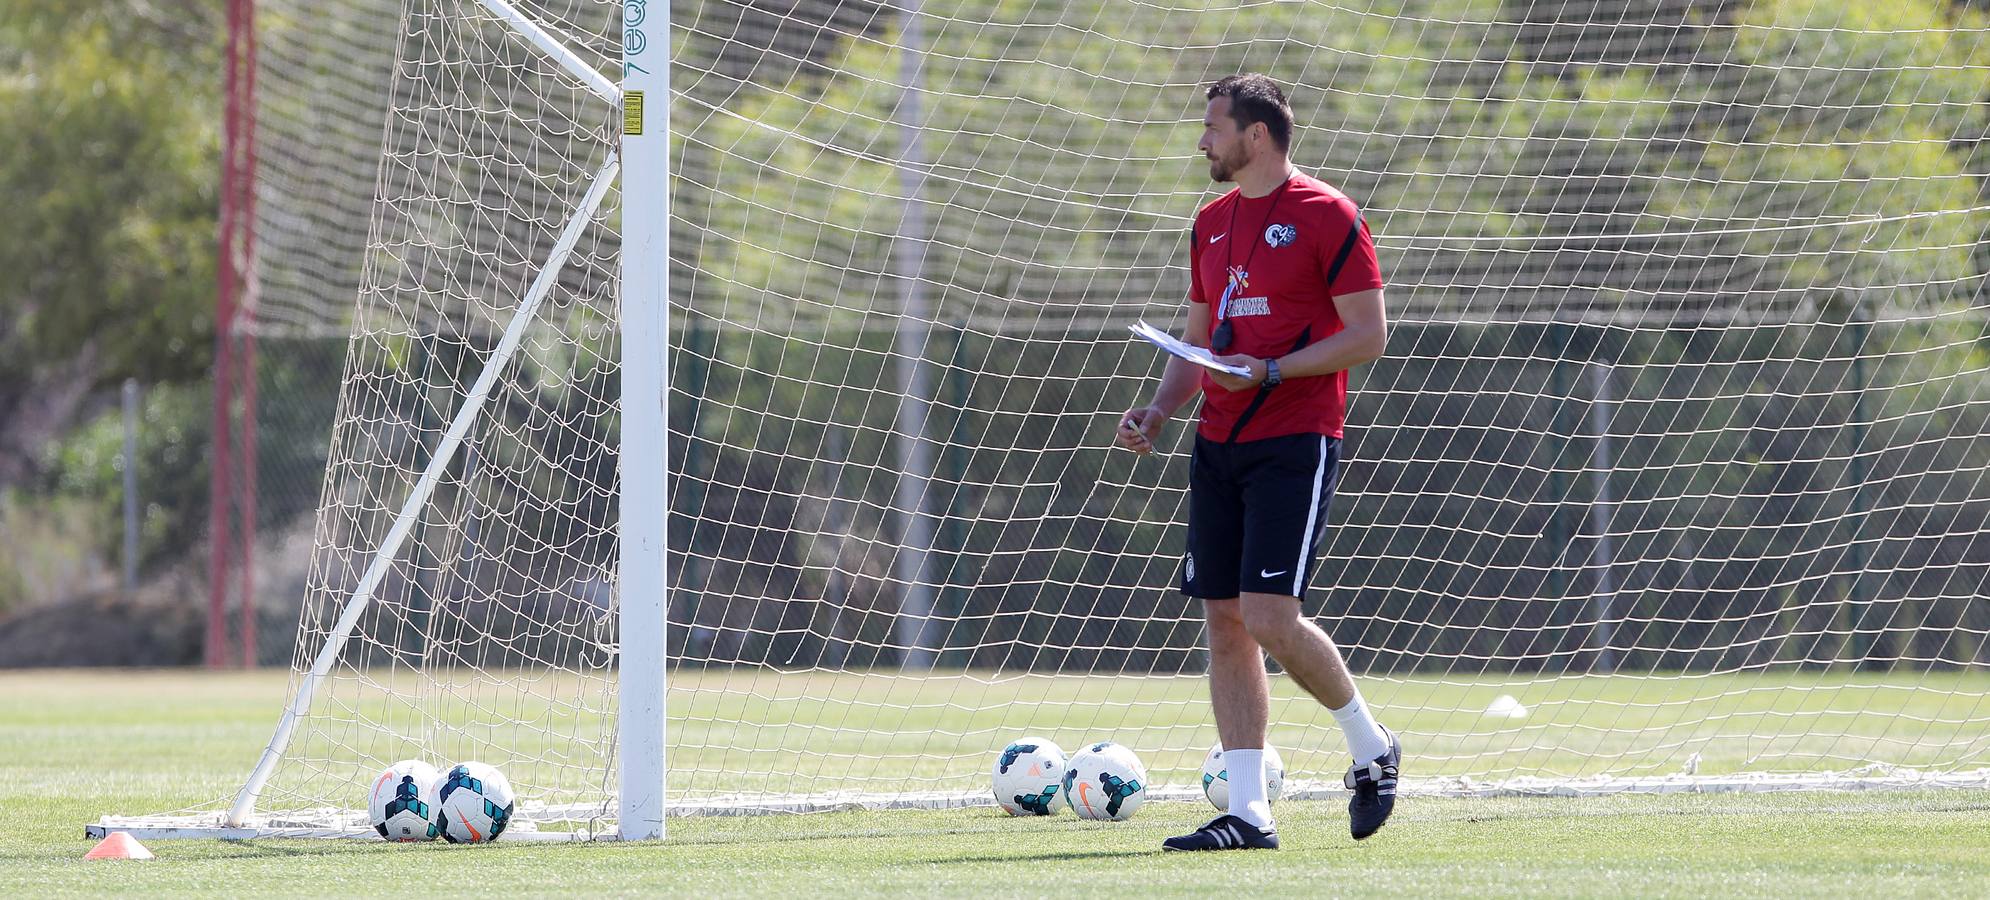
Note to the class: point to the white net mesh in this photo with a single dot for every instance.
(1676, 443)
(324, 73)
(492, 636)
(1674, 466)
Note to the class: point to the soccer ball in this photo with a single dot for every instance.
(403, 804)
(1105, 781)
(476, 804)
(1216, 777)
(1028, 774)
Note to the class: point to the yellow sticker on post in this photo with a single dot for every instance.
(632, 112)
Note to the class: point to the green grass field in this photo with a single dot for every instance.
(75, 745)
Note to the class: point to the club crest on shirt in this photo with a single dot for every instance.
(1245, 307)
(1281, 235)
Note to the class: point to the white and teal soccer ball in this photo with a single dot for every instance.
(403, 804)
(1029, 777)
(1105, 781)
(476, 803)
(1216, 777)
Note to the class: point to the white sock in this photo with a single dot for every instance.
(1364, 738)
(1247, 800)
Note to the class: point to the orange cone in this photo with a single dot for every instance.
(120, 845)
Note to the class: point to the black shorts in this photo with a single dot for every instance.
(1256, 514)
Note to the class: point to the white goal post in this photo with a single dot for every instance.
(726, 418)
(644, 501)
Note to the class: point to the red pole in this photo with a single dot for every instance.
(247, 503)
(220, 474)
(245, 123)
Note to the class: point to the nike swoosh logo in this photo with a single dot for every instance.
(1218, 237)
(1264, 574)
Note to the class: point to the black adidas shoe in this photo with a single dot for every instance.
(1374, 787)
(1225, 832)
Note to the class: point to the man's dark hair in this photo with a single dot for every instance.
(1255, 98)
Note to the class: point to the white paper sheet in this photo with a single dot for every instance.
(1190, 352)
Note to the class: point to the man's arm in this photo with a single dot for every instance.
(1180, 381)
(1363, 337)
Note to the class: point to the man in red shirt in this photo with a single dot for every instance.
(1282, 281)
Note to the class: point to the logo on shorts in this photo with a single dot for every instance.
(1281, 235)
(1188, 567)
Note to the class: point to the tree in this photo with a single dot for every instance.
(112, 113)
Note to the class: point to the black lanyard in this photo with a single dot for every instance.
(1236, 277)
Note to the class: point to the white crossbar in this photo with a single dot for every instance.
(557, 51)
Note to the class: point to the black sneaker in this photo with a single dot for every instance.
(1374, 787)
(1225, 832)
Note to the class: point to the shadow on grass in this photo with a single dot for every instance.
(757, 837)
(1041, 857)
(273, 848)
(266, 848)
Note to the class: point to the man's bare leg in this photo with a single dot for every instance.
(1240, 697)
(1310, 657)
(1301, 647)
(1239, 692)
(1306, 652)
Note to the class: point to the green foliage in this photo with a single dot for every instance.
(1821, 118)
(1925, 58)
(46, 549)
(112, 112)
(85, 471)
(172, 472)
(1855, 183)
(109, 177)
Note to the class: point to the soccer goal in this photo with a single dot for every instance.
(726, 421)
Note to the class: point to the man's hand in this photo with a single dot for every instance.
(1139, 427)
(1231, 382)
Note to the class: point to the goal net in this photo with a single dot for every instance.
(1672, 477)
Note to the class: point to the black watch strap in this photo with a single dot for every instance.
(1271, 376)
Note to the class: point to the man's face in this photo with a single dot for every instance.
(1226, 146)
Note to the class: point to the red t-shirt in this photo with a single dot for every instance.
(1285, 243)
